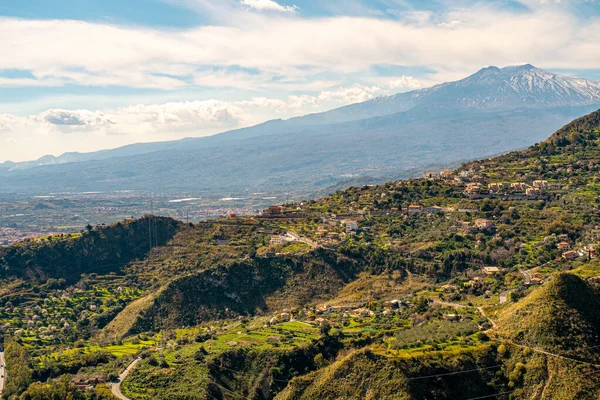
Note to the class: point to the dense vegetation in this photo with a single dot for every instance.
(100, 250)
(478, 282)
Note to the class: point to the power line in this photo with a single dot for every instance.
(490, 395)
(410, 379)
(553, 354)
(237, 372)
(453, 373)
(227, 390)
(466, 371)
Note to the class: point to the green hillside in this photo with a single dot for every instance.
(561, 316)
(364, 375)
(465, 284)
(102, 249)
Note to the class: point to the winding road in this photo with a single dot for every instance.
(2, 372)
(115, 387)
(482, 312)
(526, 276)
(303, 239)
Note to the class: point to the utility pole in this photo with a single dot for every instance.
(149, 234)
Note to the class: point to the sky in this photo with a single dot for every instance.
(85, 75)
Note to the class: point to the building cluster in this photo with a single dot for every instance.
(88, 383)
(326, 314)
(537, 188)
(570, 254)
(278, 212)
(474, 184)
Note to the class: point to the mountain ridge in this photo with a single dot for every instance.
(304, 155)
(514, 77)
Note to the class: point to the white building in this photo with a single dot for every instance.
(351, 226)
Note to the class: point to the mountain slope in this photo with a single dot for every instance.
(304, 161)
(266, 314)
(562, 316)
(513, 87)
(504, 95)
(489, 88)
(244, 288)
(550, 340)
(364, 375)
(104, 249)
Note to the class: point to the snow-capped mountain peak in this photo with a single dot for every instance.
(515, 86)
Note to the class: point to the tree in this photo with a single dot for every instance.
(320, 361)
(324, 329)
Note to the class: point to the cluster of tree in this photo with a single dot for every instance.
(101, 250)
(438, 331)
(18, 367)
(55, 368)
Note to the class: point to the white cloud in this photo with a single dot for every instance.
(406, 82)
(73, 52)
(352, 94)
(73, 118)
(9, 122)
(88, 130)
(268, 5)
(290, 65)
(205, 114)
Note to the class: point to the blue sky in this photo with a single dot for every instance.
(83, 75)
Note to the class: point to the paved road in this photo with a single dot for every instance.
(526, 276)
(115, 387)
(2, 372)
(303, 239)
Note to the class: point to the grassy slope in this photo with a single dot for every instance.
(364, 375)
(560, 316)
(562, 319)
(124, 322)
(246, 288)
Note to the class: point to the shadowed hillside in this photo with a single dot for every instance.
(364, 375)
(100, 250)
(246, 288)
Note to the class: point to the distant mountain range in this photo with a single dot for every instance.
(489, 112)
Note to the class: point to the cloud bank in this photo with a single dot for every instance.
(259, 59)
(59, 52)
(56, 131)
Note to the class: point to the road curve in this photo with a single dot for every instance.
(115, 387)
(2, 372)
(526, 276)
(482, 312)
